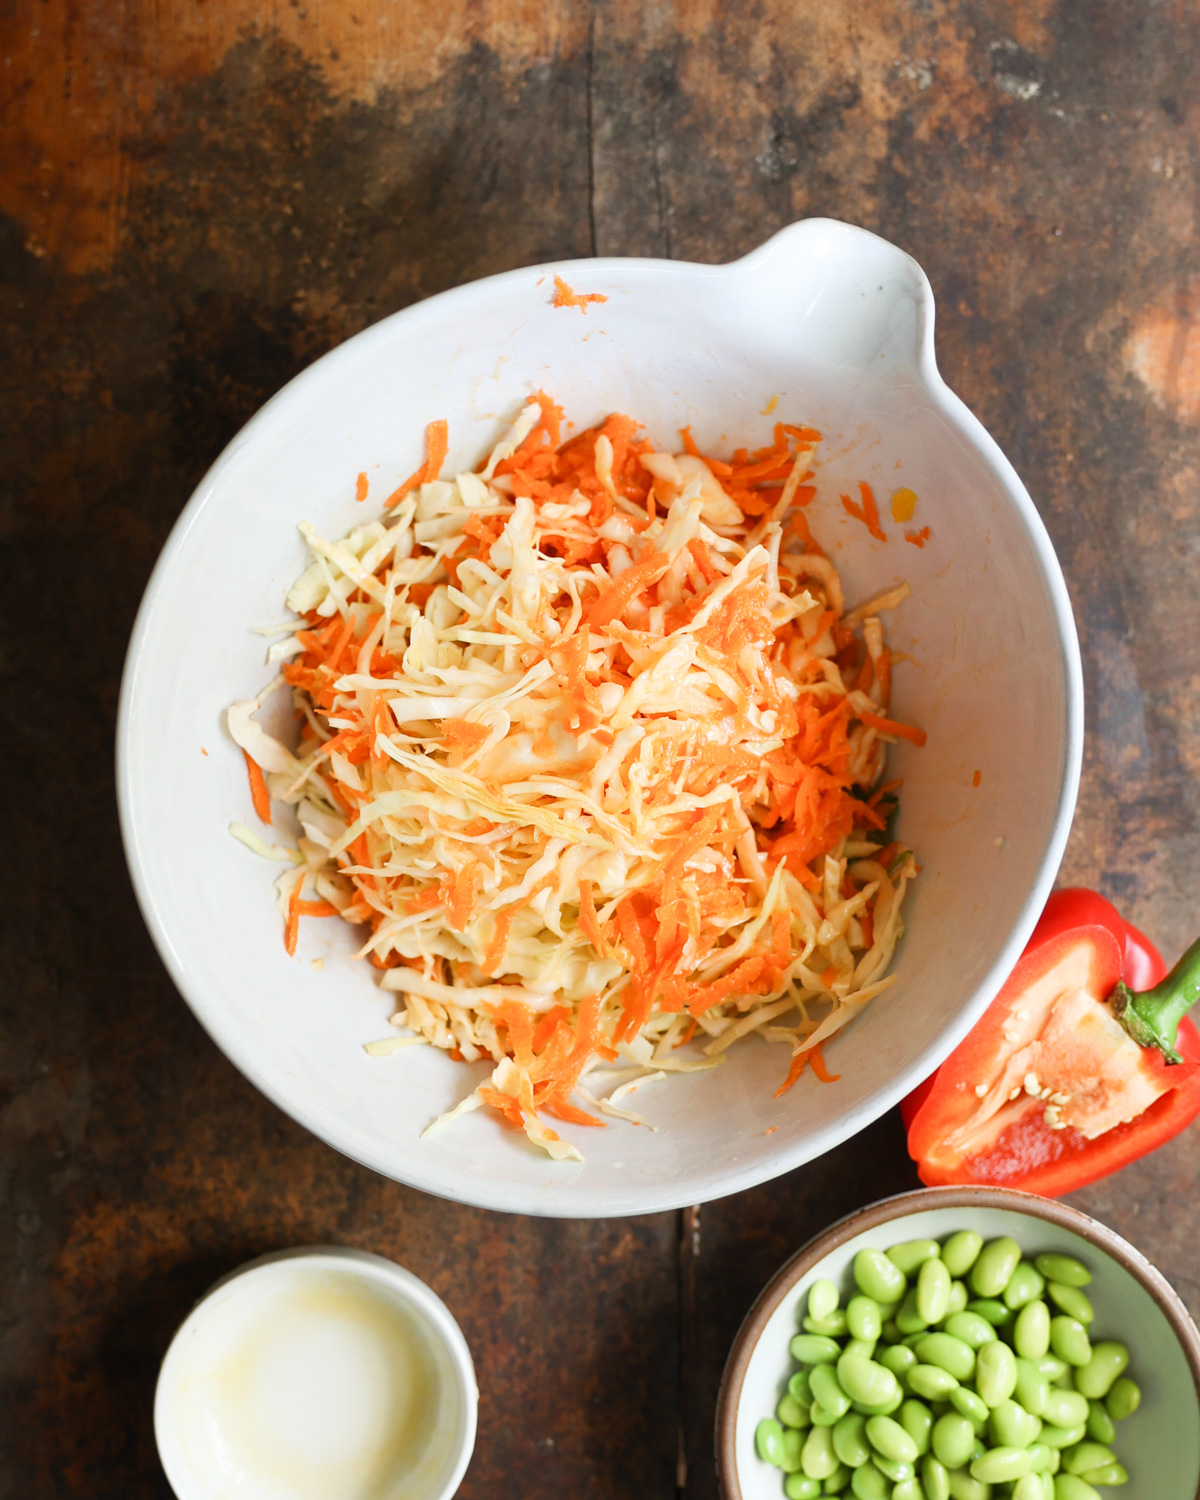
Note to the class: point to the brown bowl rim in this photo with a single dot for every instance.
(884, 1211)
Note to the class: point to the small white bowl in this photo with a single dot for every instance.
(825, 324)
(317, 1372)
(1135, 1304)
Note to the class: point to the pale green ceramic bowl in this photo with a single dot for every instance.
(1159, 1444)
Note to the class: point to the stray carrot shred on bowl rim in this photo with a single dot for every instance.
(593, 750)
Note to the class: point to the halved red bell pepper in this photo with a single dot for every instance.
(1082, 1063)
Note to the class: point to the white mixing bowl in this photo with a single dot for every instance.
(838, 325)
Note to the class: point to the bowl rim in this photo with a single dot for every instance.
(410, 1289)
(610, 1199)
(887, 1211)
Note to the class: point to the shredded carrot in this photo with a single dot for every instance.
(461, 734)
(917, 538)
(436, 439)
(867, 512)
(360, 487)
(258, 788)
(818, 1065)
(565, 297)
(977, 778)
(292, 929)
(617, 596)
(798, 1062)
(317, 909)
(588, 923)
(889, 726)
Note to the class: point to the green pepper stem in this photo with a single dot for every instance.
(1152, 1017)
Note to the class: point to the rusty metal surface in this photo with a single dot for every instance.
(195, 202)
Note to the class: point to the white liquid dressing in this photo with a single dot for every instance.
(317, 1384)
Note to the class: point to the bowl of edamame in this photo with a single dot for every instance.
(963, 1344)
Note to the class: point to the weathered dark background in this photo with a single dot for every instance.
(195, 201)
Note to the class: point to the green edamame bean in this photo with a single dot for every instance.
(1061, 1437)
(1064, 1268)
(917, 1420)
(1042, 1459)
(876, 1276)
(961, 1251)
(817, 1458)
(1071, 1487)
(1109, 1359)
(1071, 1300)
(1052, 1367)
(828, 1392)
(908, 1489)
(913, 1254)
(863, 1318)
(995, 1373)
(958, 1298)
(1084, 1456)
(866, 1382)
(814, 1349)
(889, 1438)
(992, 1309)
(897, 1359)
(1029, 1488)
(890, 1333)
(952, 1440)
(799, 1387)
(963, 1487)
(823, 1298)
(1123, 1400)
(1011, 1426)
(793, 1413)
(1025, 1284)
(895, 1468)
(1069, 1340)
(800, 1487)
(973, 1329)
(1114, 1473)
(850, 1440)
(837, 1481)
(885, 1409)
(832, 1327)
(908, 1318)
(1066, 1408)
(821, 1416)
(933, 1291)
(971, 1406)
(860, 1348)
(930, 1381)
(1031, 1388)
(992, 1271)
(934, 1478)
(1031, 1331)
(948, 1353)
(1100, 1426)
(793, 1443)
(1001, 1465)
(867, 1483)
(768, 1440)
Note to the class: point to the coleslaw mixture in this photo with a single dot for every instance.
(592, 749)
